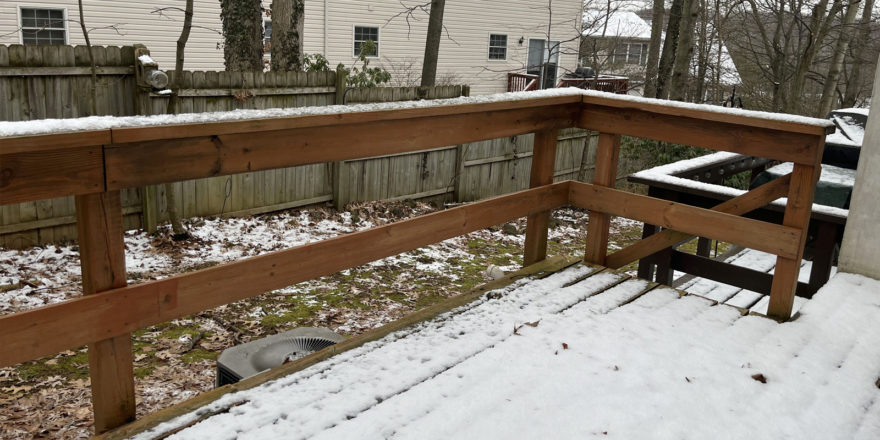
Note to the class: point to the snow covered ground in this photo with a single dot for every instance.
(585, 365)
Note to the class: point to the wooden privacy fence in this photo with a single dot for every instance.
(94, 166)
(39, 82)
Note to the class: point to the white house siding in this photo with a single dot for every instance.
(136, 24)
(463, 53)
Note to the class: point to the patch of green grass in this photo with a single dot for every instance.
(69, 367)
(144, 371)
(198, 354)
(177, 331)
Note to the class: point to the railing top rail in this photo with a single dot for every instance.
(773, 121)
(29, 136)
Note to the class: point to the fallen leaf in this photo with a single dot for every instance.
(759, 377)
(533, 324)
(687, 379)
(564, 346)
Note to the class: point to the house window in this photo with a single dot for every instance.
(267, 37)
(43, 26)
(630, 53)
(497, 47)
(362, 34)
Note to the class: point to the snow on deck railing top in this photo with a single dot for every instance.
(103, 155)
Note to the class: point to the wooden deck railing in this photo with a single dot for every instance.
(95, 165)
(603, 84)
(522, 82)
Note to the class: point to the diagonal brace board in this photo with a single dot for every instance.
(743, 204)
(775, 239)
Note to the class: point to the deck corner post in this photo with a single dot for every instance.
(797, 215)
(102, 254)
(543, 165)
(605, 175)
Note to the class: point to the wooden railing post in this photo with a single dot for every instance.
(605, 174)
(797, 215)
(543, 164)
(102, 254)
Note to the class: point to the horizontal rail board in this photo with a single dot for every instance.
(698, 131)
(731, 274)
(740, 205)
(57, 141)
(107, 314)
(41, 175)
(775, 239)
(168, 160)
(65, 71)
(138, 134)
(257, 91)
(661, 107)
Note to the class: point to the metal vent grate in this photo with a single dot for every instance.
(245, 360)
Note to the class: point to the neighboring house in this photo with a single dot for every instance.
(616, 43)
(482, 41)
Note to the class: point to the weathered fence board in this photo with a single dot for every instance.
(38, 82)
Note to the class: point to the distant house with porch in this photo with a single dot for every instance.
(616, 43)
(482, 41)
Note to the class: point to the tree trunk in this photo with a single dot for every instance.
(432, 43)
(820, 25)
(669, 48)
(829, 91)
(287, 34)
(178, 231)
(93, 86)
(702, 55)
(684, 51)
(242, 35)
(854, 85)
(654, 49)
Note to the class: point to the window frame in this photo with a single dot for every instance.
(490, 47)
(22, 28)
(378, 40)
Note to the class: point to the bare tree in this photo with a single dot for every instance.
(859, 52)
(432, 43)
(93, 86)
(654, 48)
(242, 34)
(684, 50)
(845, 32)
(178, 231)
(287, 34)
(667, 56)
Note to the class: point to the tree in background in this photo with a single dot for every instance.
(287, 34)
(845, 34)
(432, 43)
(242, 34)
(861, 57)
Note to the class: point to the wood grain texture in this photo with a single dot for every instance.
(797, 215)
(102, 254)
(41, 175)
(684, 112)
(697, 131)
(739, 205)
(136, 164)
(543, 162)
(604, 175)
(754, 234)
(116, 312)
(140, 134)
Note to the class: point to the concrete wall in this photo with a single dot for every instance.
(860, 252)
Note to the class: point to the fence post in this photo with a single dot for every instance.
(543, 164)
(797, 215)
(102, 255)
(604, 174)
(341, 84)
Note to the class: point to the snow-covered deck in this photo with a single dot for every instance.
(583, 353)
